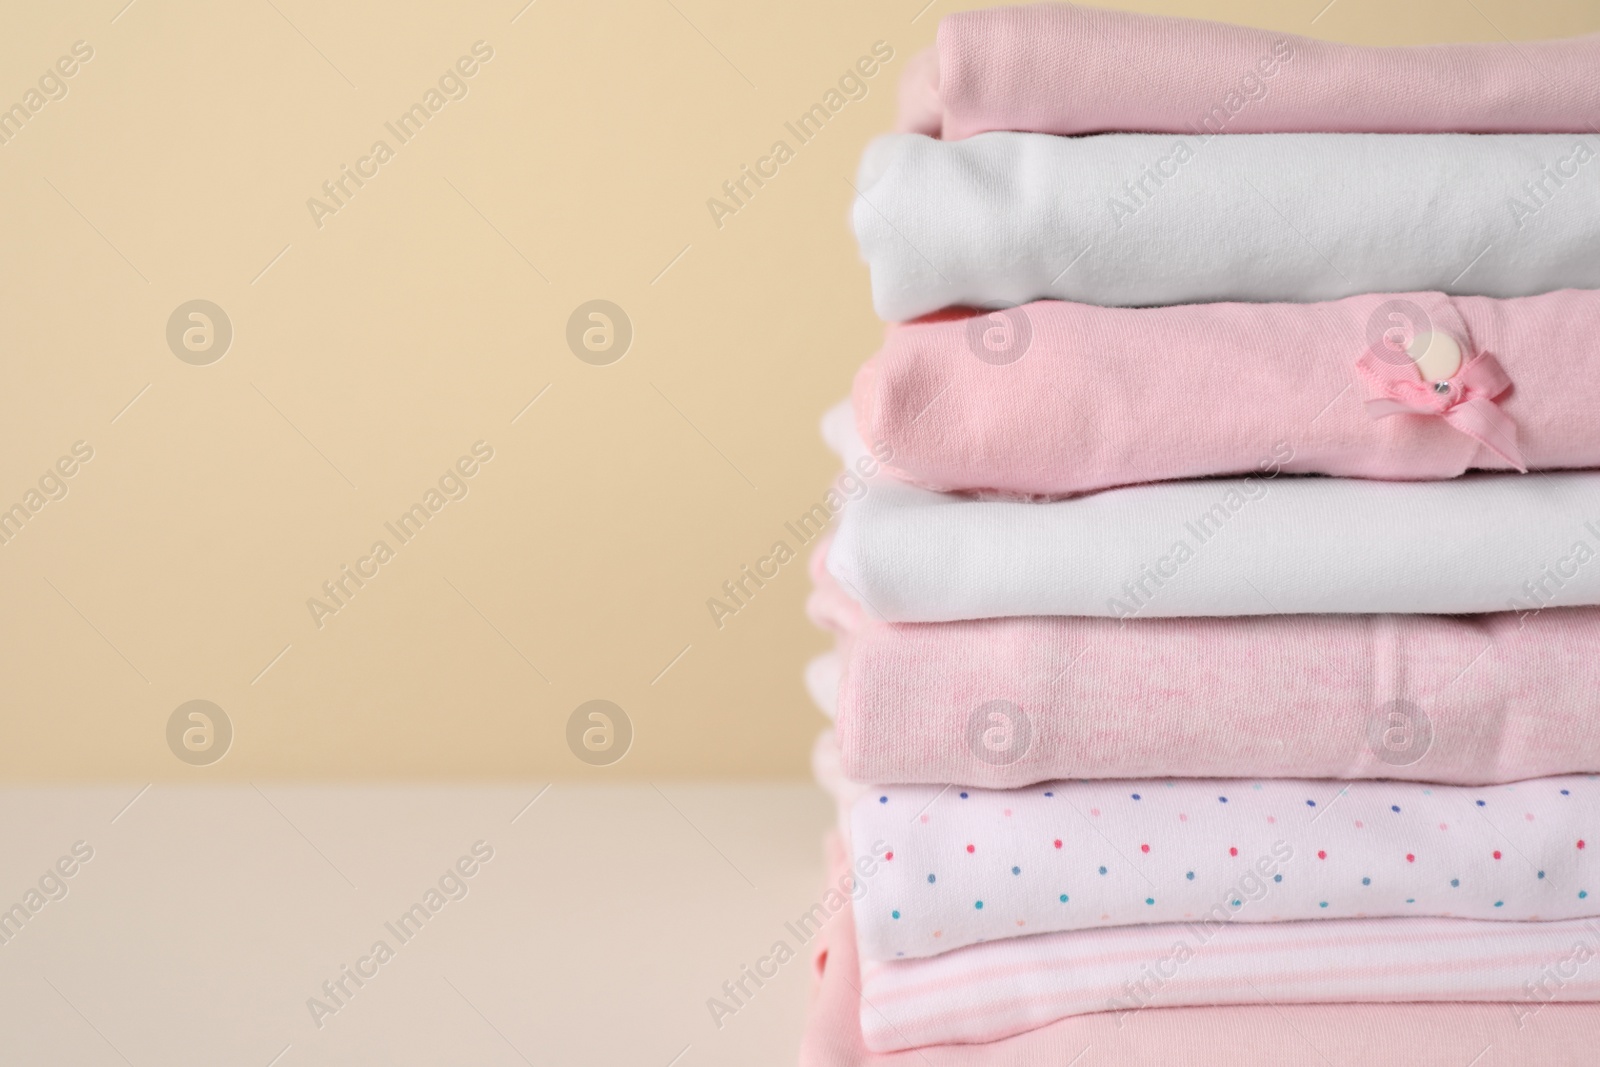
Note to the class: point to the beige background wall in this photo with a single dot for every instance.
(371, 351)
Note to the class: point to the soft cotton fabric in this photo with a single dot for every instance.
(825, 767)
(963, 865)
(1062, 68)
(1253, 546)
(828, 606)
(1055, 398)
(990, 991)
(1140, 219)
(1525, 1030)
(1470, 700)
(822, 682)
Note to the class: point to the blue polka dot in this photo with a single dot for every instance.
(1582, 893)
(1311, 803)
(931, 879)
(1455, 883)
(1498, 903)
(1149, 900)
(1411, 900)
(1136, 796)
(1222, 800)
(1366, 881)
(1102, 870)
(1048, 793)
(1277, 878)
(1481, 804)
(963, 796)
(1238, 903)
(1392, 807)
(883, 800)
(1190, 876)
(1063, 898)
(1322, 904)
(978, 905)
(894, 915)
(1541, 874)
(1566, 793)
(1016, 870)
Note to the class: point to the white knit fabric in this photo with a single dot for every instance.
(960, 865)
(1136, 219)
(1242, 546)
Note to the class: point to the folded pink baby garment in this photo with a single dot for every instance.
(1061, 68)
(1470, 700)
(994, 990)
(1527, 1029)
(1054, 398)
(1005, 987)
(962, 865)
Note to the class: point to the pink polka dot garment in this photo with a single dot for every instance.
(952, 867)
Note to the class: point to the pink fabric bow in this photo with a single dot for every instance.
(1466, 400)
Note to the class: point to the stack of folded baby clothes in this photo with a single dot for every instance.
(1216, 676)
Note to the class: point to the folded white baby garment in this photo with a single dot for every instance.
(1240, 546)
(1141, 219)
(964, 865)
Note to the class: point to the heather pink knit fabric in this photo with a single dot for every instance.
(1054, 398)
(1263, 1035)
(1061, 68)
(1469, 700)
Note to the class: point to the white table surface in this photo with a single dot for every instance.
(208, 916)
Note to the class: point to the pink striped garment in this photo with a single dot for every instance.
(995, 990)
(1061, 68)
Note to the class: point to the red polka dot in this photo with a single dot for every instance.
(1058, 842)
(888, 855)
(1410, 858)
(1144, 848)
(1496, 853)
(972, 848)
(1321, 855)
(1233, 852)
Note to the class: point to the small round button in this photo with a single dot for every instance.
(1436, 354)
(1441, 388)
